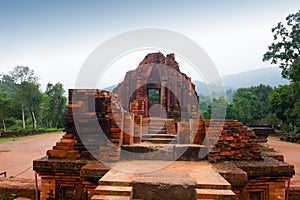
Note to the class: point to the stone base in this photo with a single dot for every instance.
(171, 152)
(158, 187)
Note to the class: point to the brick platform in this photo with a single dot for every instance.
(186, 178)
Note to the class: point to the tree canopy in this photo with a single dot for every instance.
(285, 50)
(21, 100)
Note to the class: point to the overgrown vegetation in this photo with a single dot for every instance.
(24, 106)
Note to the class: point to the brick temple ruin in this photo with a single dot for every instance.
(201, 159)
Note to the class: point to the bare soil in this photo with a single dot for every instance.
(291, 152)
(16, 156)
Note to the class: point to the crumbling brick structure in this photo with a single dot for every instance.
(158, 80)
(100, 130)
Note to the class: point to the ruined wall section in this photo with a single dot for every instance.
(89, 113)
(90, 107)
(236, 142)
(133, 91)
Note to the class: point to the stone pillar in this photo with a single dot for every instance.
(183, 132)
(128, 129)
(138, 129)
(197, 128)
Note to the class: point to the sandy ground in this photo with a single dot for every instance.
(291, 152)
(17, 156)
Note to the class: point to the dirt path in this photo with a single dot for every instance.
(291, 152)
(17, 156)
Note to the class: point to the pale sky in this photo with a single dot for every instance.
(55, 37)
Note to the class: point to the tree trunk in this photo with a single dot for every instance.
(33, 119)
(4, 125)
(23, 116)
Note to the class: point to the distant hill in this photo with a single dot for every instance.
(268, 76)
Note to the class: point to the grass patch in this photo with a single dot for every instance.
(14, 138)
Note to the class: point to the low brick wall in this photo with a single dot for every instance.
(294, 193)
(17, 187)
(235, 142)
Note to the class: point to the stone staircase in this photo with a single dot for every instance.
(113, 190)
(117, 185)
(157, 126)
(215, 194)
(219, 191)
(157, 132)
(160, 138)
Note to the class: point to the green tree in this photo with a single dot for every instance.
(272, 119)
(231, 111)
(246, 105)
(205, 101)
(285, 50)
(22, 79)
(217, 108)
(7, 86)
(7, 93)
(282, 102)
(4, 111)
(21, 98)
(44, 117)
(30, 97)
(250, 105)
(23, 74)
(56, 105)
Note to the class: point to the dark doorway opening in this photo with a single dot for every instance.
(154, 99)
(153, 96)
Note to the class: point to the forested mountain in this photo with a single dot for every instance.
(267, 76)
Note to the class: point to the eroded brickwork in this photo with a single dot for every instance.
(176, 91)
(99, 126)
(235, 142)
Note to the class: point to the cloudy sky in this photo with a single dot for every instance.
(55, 37)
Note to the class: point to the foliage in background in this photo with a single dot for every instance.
(249, 105)
(285, 51)
(22, 103)
(279, 105)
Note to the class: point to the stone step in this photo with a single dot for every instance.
(115, 183)
(157, 122)
(157, 119)
(113, 190)
(157, 132)
(215, 194)
(156, 128)
(157, 125)
(213, 187)
(113, 187)
(164, 152)
(159, 136)
(110, 197)
(160, 140)
(116, 178)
